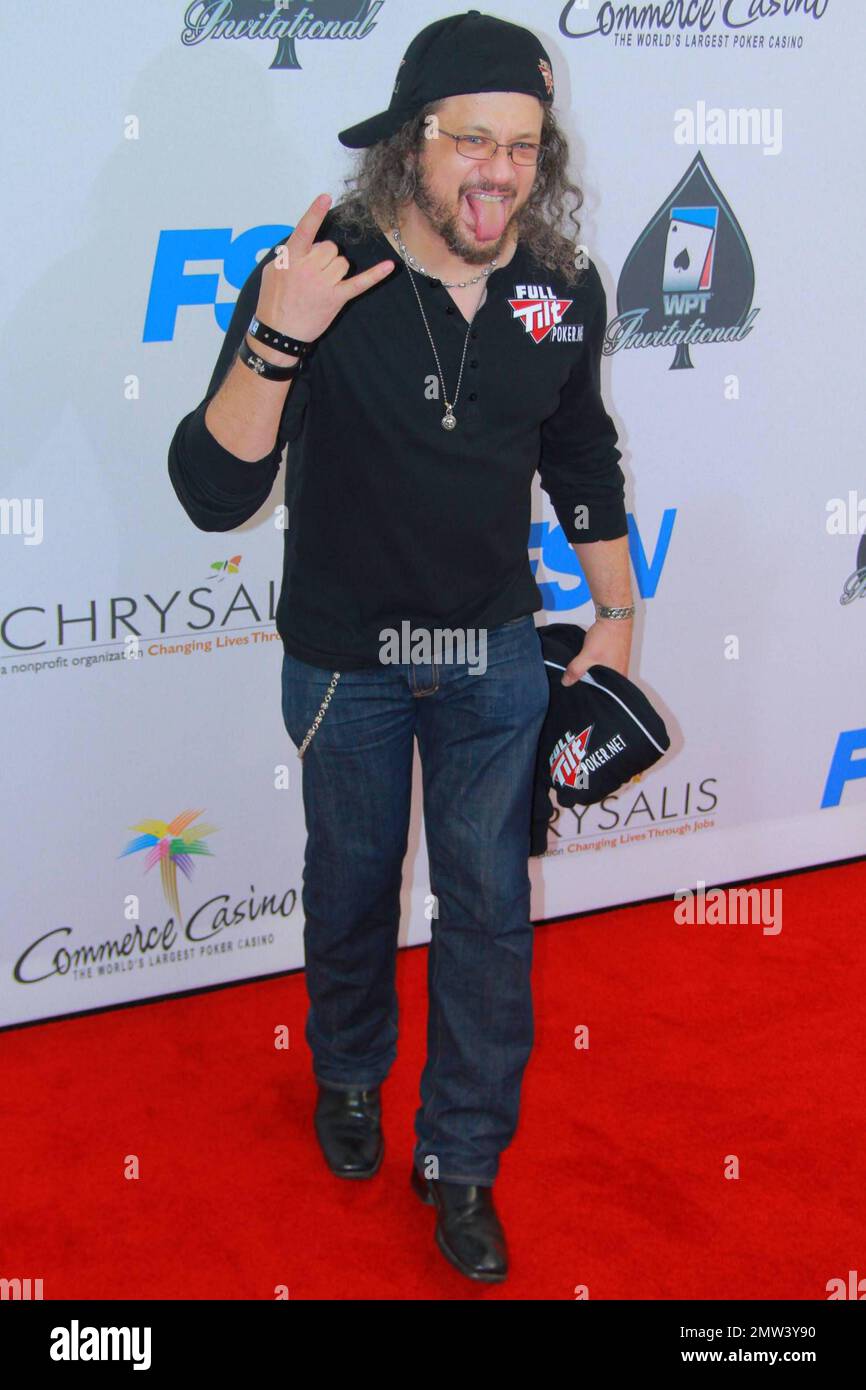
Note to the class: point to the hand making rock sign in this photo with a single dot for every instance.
(305, 286)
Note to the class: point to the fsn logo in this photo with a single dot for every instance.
(549, 547)
(22, 1289)
(848, 764)
(175, 282)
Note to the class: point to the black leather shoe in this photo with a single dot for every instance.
(348, 1125)
(468, 1231)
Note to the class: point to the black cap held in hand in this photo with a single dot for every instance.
(464, 53)
(598, 733)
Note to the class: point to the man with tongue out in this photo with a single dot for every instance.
(483, 88)
(397, 515)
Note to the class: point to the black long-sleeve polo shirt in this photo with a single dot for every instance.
(391, 517)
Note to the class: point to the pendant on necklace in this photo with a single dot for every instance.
(449, 419)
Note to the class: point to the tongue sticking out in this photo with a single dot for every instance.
(488, 216)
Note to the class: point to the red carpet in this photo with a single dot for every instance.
(705, 1042)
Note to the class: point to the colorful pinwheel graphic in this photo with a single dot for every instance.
(171, 845)
(227, 566)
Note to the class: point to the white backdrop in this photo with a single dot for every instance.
(138, 150)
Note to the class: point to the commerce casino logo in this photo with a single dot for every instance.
(689, 278)
(738, 25)
(171, 845)
(282, 24)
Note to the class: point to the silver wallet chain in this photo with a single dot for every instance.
(323, 707)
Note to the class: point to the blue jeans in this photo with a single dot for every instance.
(477, 739)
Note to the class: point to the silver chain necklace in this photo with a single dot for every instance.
(449, 284)
(449, 419)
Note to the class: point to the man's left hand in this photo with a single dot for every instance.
(607, 643)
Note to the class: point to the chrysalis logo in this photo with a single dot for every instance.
(224, 567)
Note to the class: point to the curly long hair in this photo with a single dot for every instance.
(385, 178)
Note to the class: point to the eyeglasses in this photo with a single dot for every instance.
(482, 147)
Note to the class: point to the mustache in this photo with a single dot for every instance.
(484, 188)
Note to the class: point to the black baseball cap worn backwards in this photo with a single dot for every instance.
(463, 53)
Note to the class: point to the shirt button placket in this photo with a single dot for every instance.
(473, 365)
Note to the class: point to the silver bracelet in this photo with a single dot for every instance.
(603, 611)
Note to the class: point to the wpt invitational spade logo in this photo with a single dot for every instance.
(689, 278)
(279, 22)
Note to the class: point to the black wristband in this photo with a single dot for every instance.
(293, 346)
(266, 369)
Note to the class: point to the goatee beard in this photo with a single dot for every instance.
(448, 226)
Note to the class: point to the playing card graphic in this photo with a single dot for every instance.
(689, 249)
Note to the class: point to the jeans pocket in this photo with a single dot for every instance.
(290, 708)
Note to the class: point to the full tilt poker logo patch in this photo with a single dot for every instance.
(541, 312)
(567, 757)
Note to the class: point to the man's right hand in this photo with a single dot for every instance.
(303, 287)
